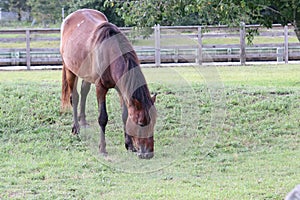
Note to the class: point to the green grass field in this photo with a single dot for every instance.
(222, 133)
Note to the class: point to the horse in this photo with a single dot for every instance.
(96, 51)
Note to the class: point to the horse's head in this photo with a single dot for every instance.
(140, 128)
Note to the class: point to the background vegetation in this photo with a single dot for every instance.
(150, 12)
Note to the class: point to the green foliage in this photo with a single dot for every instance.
(50, 12)
(284, 12)
(204, 12)
(4, 5)
(147, 13)
(258, 11)
(110, 12)
(185, 12)
(265, 12)
(46, 11)
(15, 6)
(250, 34)
(150, 12)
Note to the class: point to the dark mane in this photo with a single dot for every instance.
(105, 31)
(134, 80)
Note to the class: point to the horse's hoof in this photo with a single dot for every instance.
(104, 154)
(75, 130)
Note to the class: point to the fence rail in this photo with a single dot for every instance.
(167, 44)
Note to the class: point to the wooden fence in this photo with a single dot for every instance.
(194, 44)
(27, 55)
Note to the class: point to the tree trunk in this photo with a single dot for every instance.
(297, 22)
(19, 16)
(297, 28)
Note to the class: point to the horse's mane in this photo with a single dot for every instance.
(134, 80)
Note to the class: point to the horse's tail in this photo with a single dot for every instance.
(65, 91)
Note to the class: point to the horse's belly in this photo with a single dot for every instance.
(88, 74)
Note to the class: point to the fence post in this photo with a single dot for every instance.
(242, 44)
(286, 44)
(62, 14)
(280, 54)
(28, 49)
(157, 45)
(200, 53)
(229, 52)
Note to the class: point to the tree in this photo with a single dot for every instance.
(4, 5)
(265, 12)
(98, 5)
(46, 11)
(18, 7)
(284, 12)
(147, 13)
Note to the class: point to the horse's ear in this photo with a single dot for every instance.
(153, 98)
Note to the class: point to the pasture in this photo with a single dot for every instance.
(222, 133)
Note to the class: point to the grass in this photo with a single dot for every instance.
(222, 133)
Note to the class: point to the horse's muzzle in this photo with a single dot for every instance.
(145, 155)
(145, 151)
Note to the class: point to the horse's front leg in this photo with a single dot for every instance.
(103, 117)
(85, 88)
(128, 140)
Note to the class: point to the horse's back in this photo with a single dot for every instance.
(77, 41)
(82, 17)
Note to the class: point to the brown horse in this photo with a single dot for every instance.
(99, 53)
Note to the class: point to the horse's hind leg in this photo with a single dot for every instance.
(85, 88)
(72, 83)
(75, 100)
